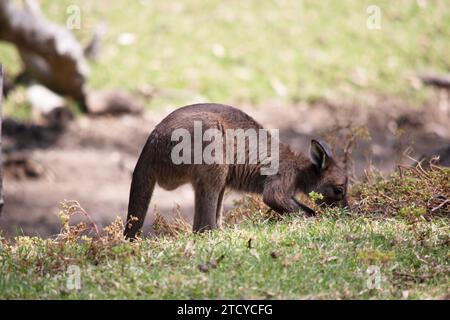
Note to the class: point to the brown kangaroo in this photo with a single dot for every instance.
(296, 172)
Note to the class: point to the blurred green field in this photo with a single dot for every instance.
(257, 51)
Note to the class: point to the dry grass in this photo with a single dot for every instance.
(412, 192)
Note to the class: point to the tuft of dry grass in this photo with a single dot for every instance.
(412, 192)
(99, 244)
(170, 228)
(249, 207)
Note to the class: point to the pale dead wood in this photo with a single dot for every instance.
(50, 53)
(48, 107)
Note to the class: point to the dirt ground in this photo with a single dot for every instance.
(91, 161)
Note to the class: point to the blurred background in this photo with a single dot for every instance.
(86, 81)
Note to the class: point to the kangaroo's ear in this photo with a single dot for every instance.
(320, 154)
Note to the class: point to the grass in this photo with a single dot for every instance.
(257, 51)
(340, 255)
(293, 258)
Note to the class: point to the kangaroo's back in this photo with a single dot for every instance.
(208, 113)
(201, 117)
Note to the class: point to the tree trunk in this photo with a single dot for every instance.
(1, 157)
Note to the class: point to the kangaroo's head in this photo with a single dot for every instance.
(331, 177)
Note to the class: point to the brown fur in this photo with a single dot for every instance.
(297, 173)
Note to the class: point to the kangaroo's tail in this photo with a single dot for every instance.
(142, 186)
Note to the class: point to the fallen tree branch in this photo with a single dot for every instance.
(48, 106)
(437, 80)
(51, 53)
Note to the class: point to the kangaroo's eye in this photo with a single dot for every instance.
(338, 190)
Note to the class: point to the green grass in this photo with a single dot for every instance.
(295, 258)
(256, 254)
(241, 51)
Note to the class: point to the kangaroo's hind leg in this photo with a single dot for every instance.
(206, 200)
